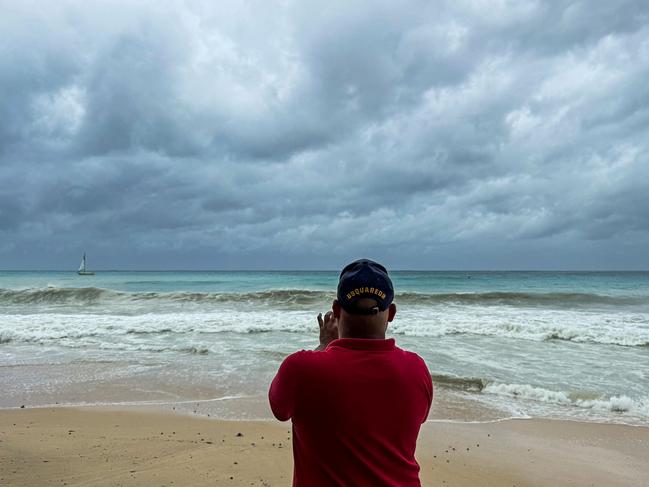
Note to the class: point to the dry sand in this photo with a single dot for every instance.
(80, 447)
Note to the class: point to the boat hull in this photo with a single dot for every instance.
(85, 273)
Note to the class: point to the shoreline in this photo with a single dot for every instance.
(105, 446)
(150, 408)
(242, 366)
(449, 406)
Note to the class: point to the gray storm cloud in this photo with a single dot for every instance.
(458, 134)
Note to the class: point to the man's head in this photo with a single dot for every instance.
(364, 305)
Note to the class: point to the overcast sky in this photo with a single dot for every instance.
(459, 134)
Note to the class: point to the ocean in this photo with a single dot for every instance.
(571, 345)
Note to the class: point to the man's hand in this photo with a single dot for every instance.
(328, 329)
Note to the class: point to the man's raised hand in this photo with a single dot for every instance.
(328, 329)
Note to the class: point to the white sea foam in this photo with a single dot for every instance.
(52, 328)
(616, 404)
(615, 328)
(625, 329)
(58, 312)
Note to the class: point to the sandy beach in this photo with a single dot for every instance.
(83, 447)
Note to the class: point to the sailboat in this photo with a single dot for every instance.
(82, 268)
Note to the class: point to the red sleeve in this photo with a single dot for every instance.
(428, 385)
(283, 388)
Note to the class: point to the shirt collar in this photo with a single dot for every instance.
(363, 343)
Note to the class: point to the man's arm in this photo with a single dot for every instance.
(428, 386)
(328, 329)
(283, 389)
(281, 394)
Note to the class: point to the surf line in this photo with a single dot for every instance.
(130, 403)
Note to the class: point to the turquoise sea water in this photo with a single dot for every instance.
(547, 344)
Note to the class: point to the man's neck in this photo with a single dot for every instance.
(371, 336)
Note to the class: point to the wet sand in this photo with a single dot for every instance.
(93, 447)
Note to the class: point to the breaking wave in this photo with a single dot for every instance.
(621, 404)
(580, 326)
(621, 329)
(562, 299)
(191, 349)
(93, 295)
(285, 297)
(615, 404)
(468, 384)
(48, 314)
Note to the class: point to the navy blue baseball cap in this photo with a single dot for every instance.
(361, 279)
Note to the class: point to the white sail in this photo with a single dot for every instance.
(82, 268)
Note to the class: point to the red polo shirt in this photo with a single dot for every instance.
(356, 409)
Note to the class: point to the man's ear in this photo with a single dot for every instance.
(335, 307)
(392, 310)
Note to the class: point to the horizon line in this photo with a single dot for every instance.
(325, 270)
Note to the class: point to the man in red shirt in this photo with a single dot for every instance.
(357, 401)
